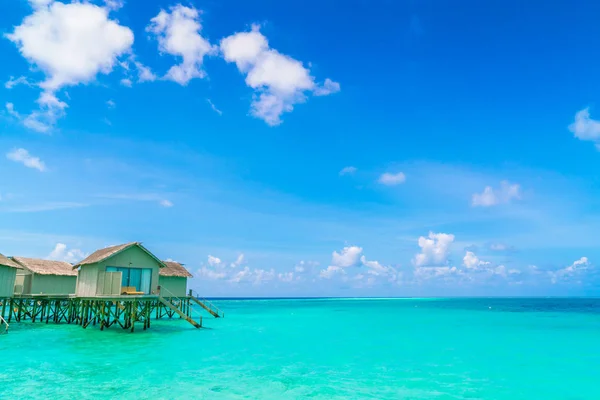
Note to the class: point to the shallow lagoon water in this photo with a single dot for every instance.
(321, 349)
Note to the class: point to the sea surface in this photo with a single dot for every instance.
(321, 349)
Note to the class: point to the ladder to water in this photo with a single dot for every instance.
(175, 309)
(207, 305)
(3, 325)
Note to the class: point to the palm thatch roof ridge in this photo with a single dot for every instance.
(176, 269)
(107, 252)
(7, 262)
(46, 267)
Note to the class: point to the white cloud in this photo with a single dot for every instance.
(424, 273)
(254, 276)
(286, 277)
(238, 261)
(491, 197)
(498, 247)
(214, 108)
(126, 82)
(564, 274)
(178, 34)
(22, 156)
(145, 74)
(434, 249)
(331, 271)
(111, 104)
(375, 268)
(585, 128)
(71, 43)
(390, 179)
(112, 4)
(214, 261)
(61, 253)
(471, 261)
(166, 203)
(329, 87)
(348, 171)
(40, 3)
(280, 81)
(12, 82)
(10, 108)
(348, 257)
(211, 274)
(305, 266)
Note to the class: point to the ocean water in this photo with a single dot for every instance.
(321, 349)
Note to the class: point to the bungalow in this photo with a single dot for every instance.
(44, 277)
(173, 279)
(124, 269)
(8, 272)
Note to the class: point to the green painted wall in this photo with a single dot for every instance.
(23, 282)
(133, 257)
(87, 281)
(53, 284)
(7, 281)
(172, 286)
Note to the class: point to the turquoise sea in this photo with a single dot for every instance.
(321, 349)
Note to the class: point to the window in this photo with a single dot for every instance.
(140, 278)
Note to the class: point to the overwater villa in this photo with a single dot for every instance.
(8, 273)
(44, 277)
(172, 279)
(128, 269)
(118, 285)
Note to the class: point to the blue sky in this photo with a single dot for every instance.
(384, 148)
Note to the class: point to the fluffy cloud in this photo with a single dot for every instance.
(179, 33)
(71, 44)
(348, 257)
(22, 156)
(61, 253)
(254, 276)
(280, 81)
(331, 271)
(214, 261)
(435, 249)
(471, 261)
(211, 274)
(348, 171)
(390, 179)
(425, 273)
(586, 128)
(12, 82)
(238, 261)
(576, 268)
(491, 197)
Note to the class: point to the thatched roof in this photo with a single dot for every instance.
(7, 262)
(46, 267)
(106, 253)
(174, 269)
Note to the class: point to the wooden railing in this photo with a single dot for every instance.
(3, 325)
(207, 305)
(162, 293)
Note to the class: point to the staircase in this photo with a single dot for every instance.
(179, 312)
(207, 305)
(3, 325)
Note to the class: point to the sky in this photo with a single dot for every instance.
(370, 148)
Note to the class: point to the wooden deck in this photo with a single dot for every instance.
(125, 311)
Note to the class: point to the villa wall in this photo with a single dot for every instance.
(7, 281)
(53, 284)
(172, 286)
(133, 257)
